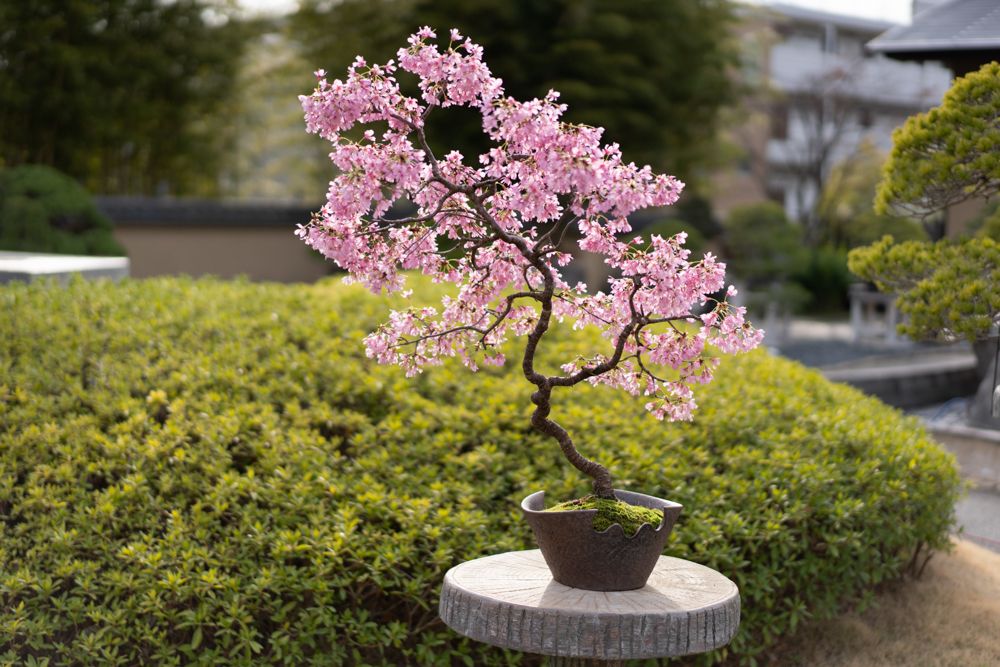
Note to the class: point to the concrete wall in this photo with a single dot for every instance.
(924, 379)
(260, 252)
(255, 238)
(794, 57)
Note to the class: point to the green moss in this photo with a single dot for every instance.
(610, 512)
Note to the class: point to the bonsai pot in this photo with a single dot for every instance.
(581, 557)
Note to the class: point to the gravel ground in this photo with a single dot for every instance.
(949, 617)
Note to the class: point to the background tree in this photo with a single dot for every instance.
(763, 249)
(274, 158)
(845, 206)
(949, 290)
(818, 132)
(823, 110)
(652, 72)
(949, 154)
(120, 94)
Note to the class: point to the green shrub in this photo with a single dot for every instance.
(42, 210)
(827, 279)
(763, 246)
(202, 472)
(846, 204)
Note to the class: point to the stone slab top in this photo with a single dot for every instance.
(510, 600)
(30, 265)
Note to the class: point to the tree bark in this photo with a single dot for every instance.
(540, 420)
(542, 397)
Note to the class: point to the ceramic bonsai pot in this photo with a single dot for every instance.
(581, 557)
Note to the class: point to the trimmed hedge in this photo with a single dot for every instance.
(211, 473)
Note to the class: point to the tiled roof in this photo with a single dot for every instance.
(951, 26)
(168, 211)
(815, 16)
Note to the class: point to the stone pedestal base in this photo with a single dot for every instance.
(510, 600)
(584, 662)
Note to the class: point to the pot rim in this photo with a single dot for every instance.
(538, 498)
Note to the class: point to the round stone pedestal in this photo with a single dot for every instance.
(510, 600)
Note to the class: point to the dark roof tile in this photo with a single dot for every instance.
(950, 26)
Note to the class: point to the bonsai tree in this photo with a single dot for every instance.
(494, 227)
(949, 290)
(949, 154)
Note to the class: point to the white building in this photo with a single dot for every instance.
(818, 97)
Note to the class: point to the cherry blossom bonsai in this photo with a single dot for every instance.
(498, 231)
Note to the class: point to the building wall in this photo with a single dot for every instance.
(734, 188)
(260, 253)
(793, 57)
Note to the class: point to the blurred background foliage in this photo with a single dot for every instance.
(987, 223)
(197, 98)
(126, 96)
(846, 205)
(193, 98)
(42, 210)
(653, 73)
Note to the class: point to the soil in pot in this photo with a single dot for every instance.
(611, 511)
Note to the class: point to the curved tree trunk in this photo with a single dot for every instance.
(542, 397)
(540, 420)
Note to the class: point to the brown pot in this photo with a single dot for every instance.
(581, 557)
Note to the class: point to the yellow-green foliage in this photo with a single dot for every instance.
(611, 511)
(845, 204)
(212, 473)
(947, 289)
(989, 222)
(948, 154)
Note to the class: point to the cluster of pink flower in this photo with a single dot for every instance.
(507, 217)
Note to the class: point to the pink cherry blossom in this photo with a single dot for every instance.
(506, 214)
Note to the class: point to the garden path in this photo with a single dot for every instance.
(825, 344)
(979, 516)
